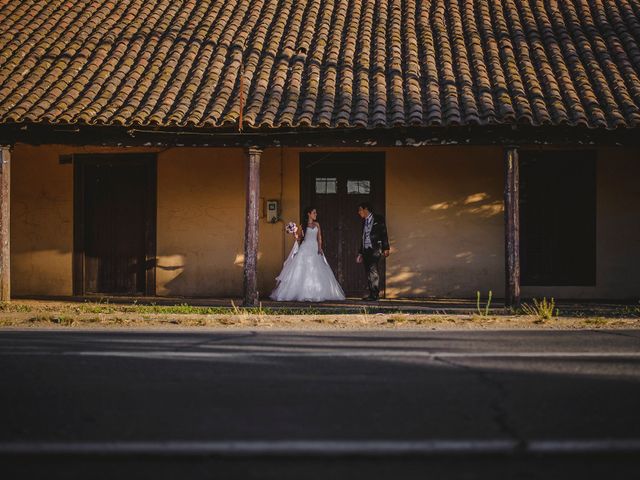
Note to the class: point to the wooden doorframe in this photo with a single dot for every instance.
(78, 262)
(375, 158)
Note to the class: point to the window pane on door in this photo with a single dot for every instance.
(358, 187)
(326, 185)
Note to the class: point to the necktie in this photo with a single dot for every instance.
(367, 230)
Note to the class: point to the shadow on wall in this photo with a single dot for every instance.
(452, 248)
(200, 274)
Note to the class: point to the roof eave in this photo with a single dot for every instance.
(79, 134)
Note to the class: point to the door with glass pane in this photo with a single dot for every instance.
(335, 183)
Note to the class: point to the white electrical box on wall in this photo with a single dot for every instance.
(273, 211)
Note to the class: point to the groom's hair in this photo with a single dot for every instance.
(366, 206)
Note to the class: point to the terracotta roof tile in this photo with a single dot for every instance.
(321, 63)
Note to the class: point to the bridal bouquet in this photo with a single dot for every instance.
(291, 228)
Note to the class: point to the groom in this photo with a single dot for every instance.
(374, 243)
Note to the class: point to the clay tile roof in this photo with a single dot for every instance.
(320, 63)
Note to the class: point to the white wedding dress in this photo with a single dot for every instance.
(306, 276)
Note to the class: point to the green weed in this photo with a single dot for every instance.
(485, 312)
(543, 309)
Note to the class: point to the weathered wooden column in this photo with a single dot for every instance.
(5, 184)
(252, 186)
(512, 227)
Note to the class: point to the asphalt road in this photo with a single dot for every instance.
(321, 404)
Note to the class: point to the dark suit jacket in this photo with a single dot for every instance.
(379, 238)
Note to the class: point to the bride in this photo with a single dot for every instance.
(306, 275)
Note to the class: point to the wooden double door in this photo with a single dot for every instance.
(114, 224)
(335, 183)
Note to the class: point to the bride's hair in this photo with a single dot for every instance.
(305, 220)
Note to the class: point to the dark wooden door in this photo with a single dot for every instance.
(558, 217)
(115, 224)
(335, 183)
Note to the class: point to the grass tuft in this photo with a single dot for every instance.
(11, 307)
(543, 310)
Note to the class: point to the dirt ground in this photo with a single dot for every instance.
(51, 314)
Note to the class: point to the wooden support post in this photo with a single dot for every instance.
(251, 227)
(5, 260)
(512, 227)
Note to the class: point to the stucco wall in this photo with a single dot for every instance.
(279, 179)
(200, 222)
(444, 211)
(41, 222)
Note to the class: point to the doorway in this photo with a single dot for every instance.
(335, 183)
(114, 224)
